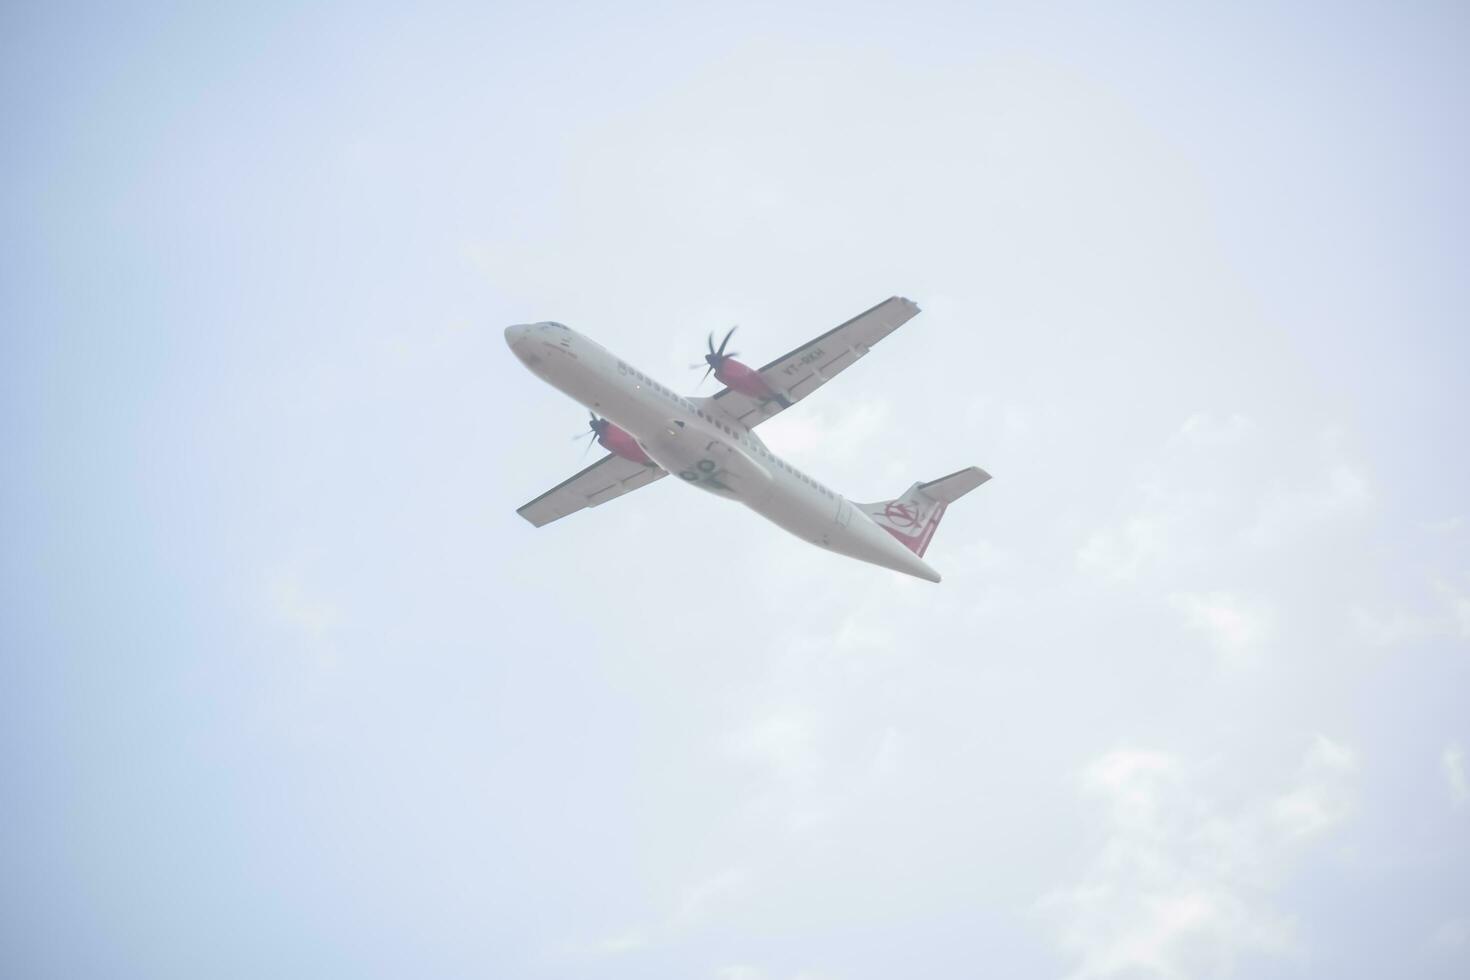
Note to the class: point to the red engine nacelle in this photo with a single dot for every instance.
(745, 380)
(736, 376)
(618, 441)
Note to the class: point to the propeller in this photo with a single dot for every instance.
(595, 428)
(715, 358)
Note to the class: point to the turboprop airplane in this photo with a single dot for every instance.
(649, 432)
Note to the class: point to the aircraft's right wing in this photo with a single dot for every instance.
(798, 373)
(609, 477)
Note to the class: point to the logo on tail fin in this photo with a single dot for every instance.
(899, 514)
(911, 519)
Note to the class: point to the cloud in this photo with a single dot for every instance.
(1235, 627)
(784, 746)
(1343, 491)
(1117, 554)
(1449, 525)
(887, 758)
(1129, 782)
(627, 942)
(1180, 886)
(292, 602)
(1206, 431)
(740, 971)
(1217, 488)
(1452, 764)
(1396, 627)
(782, 741)
(1319, 801)
(826, 436)
(1452, 936)
(708, 892)
(1177, 508)
(1459, 607)
(1390, 629)
(697, 904)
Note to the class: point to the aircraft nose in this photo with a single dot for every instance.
(515, 333)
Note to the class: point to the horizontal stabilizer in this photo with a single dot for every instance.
(948, 489)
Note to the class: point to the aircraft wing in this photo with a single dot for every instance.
(609, 477)
(797, 374)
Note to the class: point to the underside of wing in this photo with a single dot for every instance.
(609, 477)
(800, 372)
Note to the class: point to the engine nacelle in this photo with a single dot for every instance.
(743, 379)
(619, 442)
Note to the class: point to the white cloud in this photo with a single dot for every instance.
(1180, 886)
(1396, 627)
(1219, 488)
(1129, 781)
(1236, 627)
(856, 633)
(740, 971)
(1447, 526)
(697, 903)
(293, 603)
(1459, 606)
(1119, 553)
(627, 942)
(828, 436)
(889, 755)
(1452, 936)
(1327, 755)
(1206, 431)
(1452, 763)
(1183, 500)
(1392, 628)
(782, 741)
(708, 892)
(1342, 491)
(784, 745)
(1319, 801)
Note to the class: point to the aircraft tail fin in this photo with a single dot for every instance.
(913, 518)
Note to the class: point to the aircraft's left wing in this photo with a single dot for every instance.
(798, 373)
(609, 477)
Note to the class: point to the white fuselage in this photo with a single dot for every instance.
(702, 448)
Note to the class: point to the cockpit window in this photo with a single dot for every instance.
(553, 323)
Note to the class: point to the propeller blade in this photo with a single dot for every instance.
(711, 341)
(708, 368)
(591, 430)
(721, 351)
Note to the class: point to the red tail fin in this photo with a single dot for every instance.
(914, 517)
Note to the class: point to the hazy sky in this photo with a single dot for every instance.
(287, 689)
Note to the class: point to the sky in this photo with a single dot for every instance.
(288, 689)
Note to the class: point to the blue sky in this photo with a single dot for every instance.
(287, 687)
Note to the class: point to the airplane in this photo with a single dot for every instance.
(650, 431)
